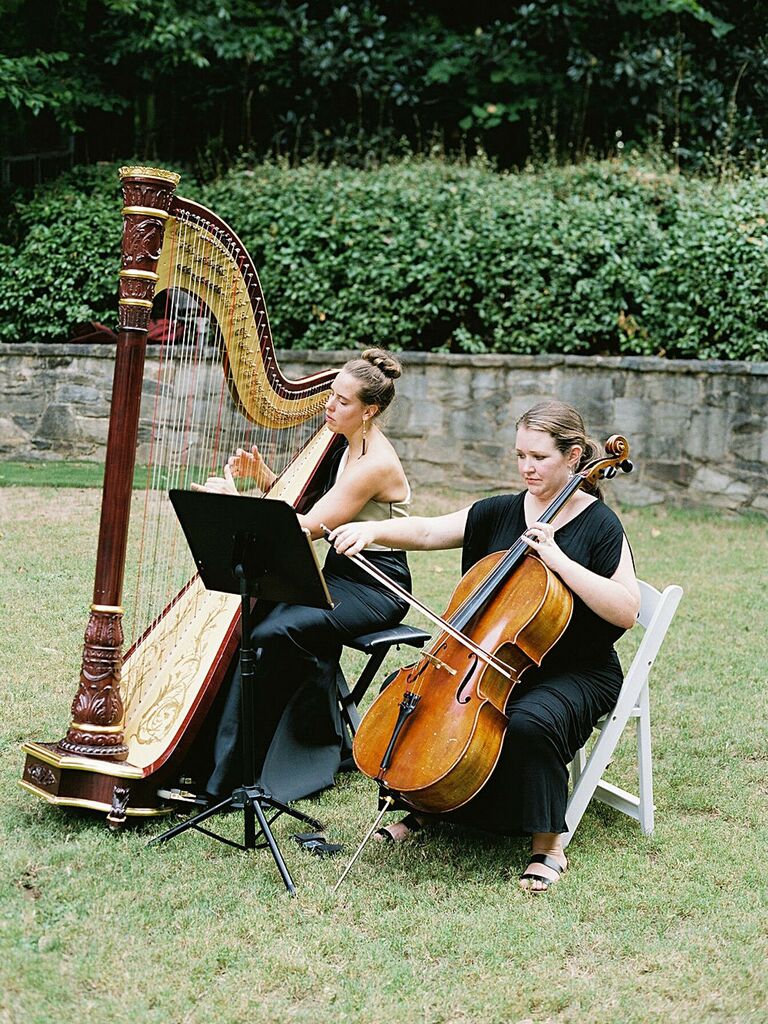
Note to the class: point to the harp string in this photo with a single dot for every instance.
(179, 443)
(145, 561)
(196, 424)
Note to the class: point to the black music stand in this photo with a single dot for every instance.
(254, 547)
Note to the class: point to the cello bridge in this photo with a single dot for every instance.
(438, 664)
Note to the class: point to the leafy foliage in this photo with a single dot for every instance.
(607, 257)
(184, 80)
(63, 268)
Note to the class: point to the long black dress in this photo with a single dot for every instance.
(299, 738)
(553, 710)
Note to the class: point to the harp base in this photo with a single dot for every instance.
(116, 788)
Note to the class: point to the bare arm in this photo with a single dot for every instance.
(419, 533)
(356, 486)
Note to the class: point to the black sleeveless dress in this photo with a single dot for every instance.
(553, 710)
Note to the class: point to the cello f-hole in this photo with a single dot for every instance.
(466, 681)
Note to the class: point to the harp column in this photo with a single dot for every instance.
(96, 729)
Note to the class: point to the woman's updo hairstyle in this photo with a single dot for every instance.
(375, 372)
(565, 426)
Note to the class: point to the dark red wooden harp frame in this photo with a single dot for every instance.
(118, 752)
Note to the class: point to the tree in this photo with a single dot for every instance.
(185, 80)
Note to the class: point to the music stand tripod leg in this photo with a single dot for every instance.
(274, 848)
(248, 796)
(198, 819)
(253, 796)
(282, 808)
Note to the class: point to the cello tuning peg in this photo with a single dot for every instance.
(626, 466)
(610, 473)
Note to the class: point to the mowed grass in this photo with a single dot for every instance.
(70, 473)
(671, 927)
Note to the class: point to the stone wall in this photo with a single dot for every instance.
(698, 430)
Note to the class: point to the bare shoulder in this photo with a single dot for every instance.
(380, 473)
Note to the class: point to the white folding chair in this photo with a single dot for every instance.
(656, 612)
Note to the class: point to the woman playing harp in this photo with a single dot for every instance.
(157, 644)
(299, 735)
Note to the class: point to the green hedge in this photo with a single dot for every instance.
(61, 266)
(604, 257)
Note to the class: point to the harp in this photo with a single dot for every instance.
(186, 275)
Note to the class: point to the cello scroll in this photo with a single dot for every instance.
(616, 460)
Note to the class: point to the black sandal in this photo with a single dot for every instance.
(547, 861)
(410, 821)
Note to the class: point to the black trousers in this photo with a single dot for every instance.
(298, 732)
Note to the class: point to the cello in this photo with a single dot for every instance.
(432, 738)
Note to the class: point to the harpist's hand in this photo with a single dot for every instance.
(218, 484)
(350, 538)
(251, 466)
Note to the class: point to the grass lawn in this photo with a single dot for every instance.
(671, 927)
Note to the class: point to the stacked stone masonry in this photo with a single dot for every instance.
(698, 430)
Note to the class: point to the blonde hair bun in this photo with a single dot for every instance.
(383, 361)
(375, 372)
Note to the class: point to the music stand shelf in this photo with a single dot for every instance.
(254, 547)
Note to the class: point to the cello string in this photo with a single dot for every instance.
(394, 587)
(475, 601)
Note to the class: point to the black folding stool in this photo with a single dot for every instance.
(376, 645)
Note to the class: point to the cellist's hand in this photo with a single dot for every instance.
(541, 538)
(350, 538)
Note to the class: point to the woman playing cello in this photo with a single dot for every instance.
(553, 709)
